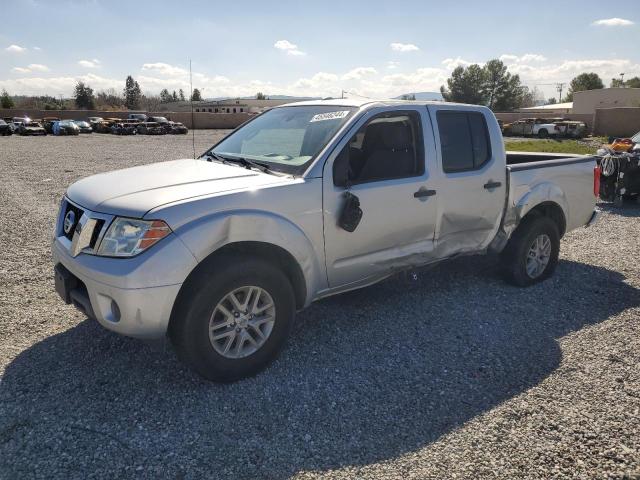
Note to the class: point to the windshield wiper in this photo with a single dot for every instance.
(215, 157)
(245, 162)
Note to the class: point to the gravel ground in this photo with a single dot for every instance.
(454, 375)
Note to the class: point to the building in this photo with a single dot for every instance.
(231, 105)
(589, 100)
(547, 110)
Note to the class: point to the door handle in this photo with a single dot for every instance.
(491, 185)
(424, 193)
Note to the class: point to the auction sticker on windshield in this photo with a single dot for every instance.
(329, 116)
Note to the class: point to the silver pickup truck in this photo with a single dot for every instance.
(304, 201)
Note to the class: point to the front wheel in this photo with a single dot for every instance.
(235, 320)
(543, 133)
(532, 253)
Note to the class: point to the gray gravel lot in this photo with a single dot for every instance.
(455, 375)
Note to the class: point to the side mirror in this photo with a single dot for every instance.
(341, 168)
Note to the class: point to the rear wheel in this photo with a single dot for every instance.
(543, 133)
(532, 253)
(236, 320)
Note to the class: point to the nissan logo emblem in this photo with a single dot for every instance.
(69, 221)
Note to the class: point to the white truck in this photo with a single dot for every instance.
(305, 201)
(538, 127)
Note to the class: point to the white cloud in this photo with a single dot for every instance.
(37, 49)
(15, 49)
(404, 47)
(358, 73)
(37, 67)
(33, 67)
(526, 58)
(613, 22)
(165, 69)
(451, 63)
(290, 48)
(391, 65)
(93, 63)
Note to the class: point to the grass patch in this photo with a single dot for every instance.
(552, 146)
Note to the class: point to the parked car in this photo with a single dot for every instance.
(47, 123)
(151, 128)
(305, 201)
(105, 125)
(570, 128)
(5, 129)
(31, 128)
(540, 127)
(94, 121)
(138, 116)
(125, 128)
(162, 121)
(178, 128)
(65, 127)
(84, 127)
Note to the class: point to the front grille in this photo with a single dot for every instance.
(77, 214)
(87, 230)
(96, 233)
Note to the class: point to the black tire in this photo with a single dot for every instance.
(514, 256)
(543, 133)
(189, 326)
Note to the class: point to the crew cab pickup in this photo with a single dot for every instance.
(305, 201)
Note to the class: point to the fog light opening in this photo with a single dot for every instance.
(115, 311)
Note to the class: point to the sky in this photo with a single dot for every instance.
(370, 48)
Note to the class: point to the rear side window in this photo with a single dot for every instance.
(464, 140)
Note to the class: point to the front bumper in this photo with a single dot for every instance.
(130, 296)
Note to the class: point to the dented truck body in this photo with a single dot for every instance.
(210, 205)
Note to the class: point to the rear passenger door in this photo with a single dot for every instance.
(472, 178)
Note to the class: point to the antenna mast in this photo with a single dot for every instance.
(193, 124)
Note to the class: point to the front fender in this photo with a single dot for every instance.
(210, 233)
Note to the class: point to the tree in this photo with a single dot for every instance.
(196, 96)
(132, 94)
(584, 81)
(181, 95)
(491, 85)
(109, 99)
(466, 85)
(165, 96)
(408, 96)
(260, 96)
(84, 96)
(551, 101)
(6, 101)
(633, 82)
(174, 96)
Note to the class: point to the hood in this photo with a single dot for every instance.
(132, 192)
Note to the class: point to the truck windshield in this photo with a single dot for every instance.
(285, 138)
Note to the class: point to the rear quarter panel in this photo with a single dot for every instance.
(567, 182)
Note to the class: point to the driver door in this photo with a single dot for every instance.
(386, 152)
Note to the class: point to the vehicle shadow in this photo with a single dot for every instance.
(630, 208)
(367, 376)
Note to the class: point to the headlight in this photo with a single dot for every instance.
(127, 237)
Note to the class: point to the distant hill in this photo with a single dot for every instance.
(424, 96)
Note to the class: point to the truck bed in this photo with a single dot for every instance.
(550, 159)
(564, 179)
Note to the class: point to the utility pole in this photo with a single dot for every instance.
(559, 87)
